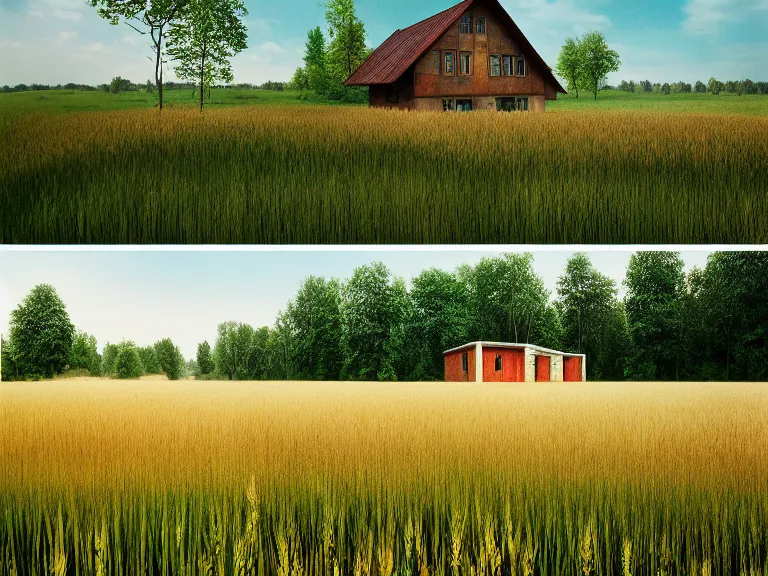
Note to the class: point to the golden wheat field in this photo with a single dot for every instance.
(156, 477)
(340, 175)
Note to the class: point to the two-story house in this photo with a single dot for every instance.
(469, 57)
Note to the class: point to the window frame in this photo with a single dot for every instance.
(511, 60)
(465, 23)
(465, 363)
(478, 21)
(452, 54)
(490, 65)
(451, 105)
(469, 64)
(521, 60)
(499, 363)
(464, 101)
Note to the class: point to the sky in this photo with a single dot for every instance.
(60, 41)
(145, 296)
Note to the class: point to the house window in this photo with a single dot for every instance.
(465, 26)
(506, 65)
(498, 363)
(466, 63)
(480, 26)
(465, 363)
(463, 105)
(520, 63)
(495, 65)
(448, 105)
(450, 63)
(512, 104)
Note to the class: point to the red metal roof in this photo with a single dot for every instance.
(398, 52)
(401, 50)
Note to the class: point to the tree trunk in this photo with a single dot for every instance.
(202, 80)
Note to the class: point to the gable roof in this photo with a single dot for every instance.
(401, 50)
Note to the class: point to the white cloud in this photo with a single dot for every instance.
(67, 36)
(556, 14)
(5, 43)
(704, 17)
(129, 39)
(36, 14)
(270, 47)
(68, 15)
(263, 27)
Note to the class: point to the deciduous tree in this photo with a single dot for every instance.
(204, 39)
(41, 334)
(597, 60)
(569, 63)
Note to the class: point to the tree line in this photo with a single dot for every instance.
(710, 324)
(713, 86)
(328, 63)
(118, 84)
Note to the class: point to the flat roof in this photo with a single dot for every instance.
(511, 345)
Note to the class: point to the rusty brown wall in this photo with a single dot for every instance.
(430, 81)
(378, 94)
(453, 371)
(512, 365)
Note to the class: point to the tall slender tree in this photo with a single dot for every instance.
(569, 63)
(204, 39)
(347, 47)
(153, 17)
(597, 60)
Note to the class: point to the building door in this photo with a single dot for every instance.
(542, 368)
(572, 369)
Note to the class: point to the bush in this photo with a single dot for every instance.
(128, 364)
(170, 359)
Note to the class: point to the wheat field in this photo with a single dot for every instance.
(157, 477)
(338, 175)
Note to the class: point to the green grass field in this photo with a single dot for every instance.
(265, 167)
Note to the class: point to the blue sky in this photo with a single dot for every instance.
(148, 295)
(59, 41)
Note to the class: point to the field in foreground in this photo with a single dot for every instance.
(104, 477)
(340, 175)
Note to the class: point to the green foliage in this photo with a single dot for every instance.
(655, 284)
(587, 300)
(346, 51)
(40, 334)
(109, 359)
(242, 353)
(371, 313)
(119, 84)
(569, 63)
(149, 360)
(8, 369)
(170, 359)
(155, 16)
(597, 60)
(205, 363)
(314, 319)
(714, 86)
(204, 38)
(127, 361)
(315, 61)
(84, 354)
(439, 321)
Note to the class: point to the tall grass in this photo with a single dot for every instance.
(355, 175)
(97, 477)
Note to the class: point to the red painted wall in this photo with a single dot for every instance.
(453, 371)
(512, 365)
(572, 369)
(542, 368)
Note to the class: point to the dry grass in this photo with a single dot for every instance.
(354, 175)
(562, 478)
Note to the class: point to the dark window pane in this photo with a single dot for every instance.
(480, 25)
(495, 66)
(498, 363)
(449, 64)
(521, 66)
(465, 63)
(465, 26)
(507, 65)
